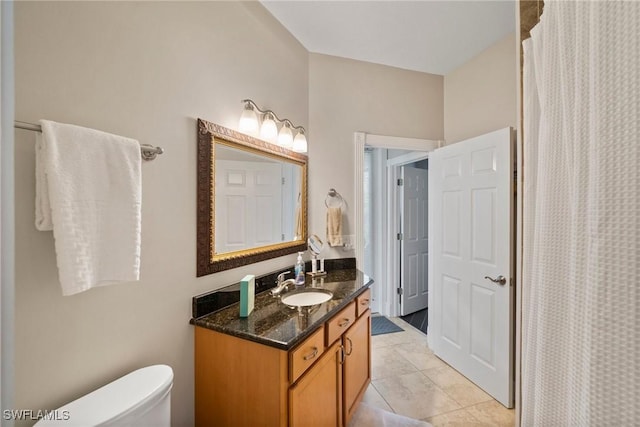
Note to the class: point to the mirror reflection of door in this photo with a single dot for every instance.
(252, 200)
(291, 202)
(248, 211)
(256, 200)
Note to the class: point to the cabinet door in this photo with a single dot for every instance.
(316, 400)
(357, 364)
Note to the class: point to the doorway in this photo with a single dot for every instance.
(413, 240)
(471, 216)
(392, 242)
(403, 248)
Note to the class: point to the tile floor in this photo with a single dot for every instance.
(408, 379)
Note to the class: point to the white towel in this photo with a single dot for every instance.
(334, 226)
(298, 230)
(89, 192)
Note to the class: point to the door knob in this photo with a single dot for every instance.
(500, 280)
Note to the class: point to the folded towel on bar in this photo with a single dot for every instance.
(334, 226)
(298, 230)
(89, 192)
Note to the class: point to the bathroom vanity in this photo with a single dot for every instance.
(285, 366)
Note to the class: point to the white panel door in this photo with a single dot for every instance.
(471, 316)
(415, 244)
(248, 204)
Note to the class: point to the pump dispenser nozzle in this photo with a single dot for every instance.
(299, 270)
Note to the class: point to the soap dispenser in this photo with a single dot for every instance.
(299, 271)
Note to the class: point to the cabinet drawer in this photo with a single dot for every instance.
(363, 302)
(340, 322)
(316, 399)
(305, 354)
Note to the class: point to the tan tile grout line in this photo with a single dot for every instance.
(455, 400)
(448, 412)
(381, 396)
(435, 386)
(429, 380)
(407, 361)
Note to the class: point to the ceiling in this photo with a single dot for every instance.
(429, 36)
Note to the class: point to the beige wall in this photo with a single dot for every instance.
(346, 96)
(481, 95)
(146, 70)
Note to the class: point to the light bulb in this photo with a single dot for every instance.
(248, 121)
(285, 137)
(300, 143)
(269, 130)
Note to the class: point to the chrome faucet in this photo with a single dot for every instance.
(281, 284)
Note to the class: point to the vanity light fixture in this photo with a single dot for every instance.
(269, 129)
(300, 143)
(249, 121)
(249, 124)
(285, 137)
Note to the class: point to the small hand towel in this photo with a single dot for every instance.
(298, 230)
(89, 192)
(334, 226)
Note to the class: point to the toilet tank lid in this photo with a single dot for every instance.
(136, 391)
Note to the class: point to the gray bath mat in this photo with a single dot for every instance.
(381, 325)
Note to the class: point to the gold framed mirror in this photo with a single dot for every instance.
(252, 199)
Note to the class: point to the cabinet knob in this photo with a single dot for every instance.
(350, 346)
(311, 355)
(343, 356)
(344, 322)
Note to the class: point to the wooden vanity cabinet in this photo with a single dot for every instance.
(306, 354)
(357, 364)
(363, 302)
(238, 382)
(315, 400)
(319, 382)
(340, 323)
(328, 394)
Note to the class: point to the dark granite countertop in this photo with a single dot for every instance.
(277, 325)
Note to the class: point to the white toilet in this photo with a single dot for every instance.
(141, 398)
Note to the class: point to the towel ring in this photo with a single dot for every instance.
(332, 195)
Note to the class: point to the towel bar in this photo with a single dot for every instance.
(334, 194)
(148, 152)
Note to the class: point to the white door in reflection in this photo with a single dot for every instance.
(248, 205)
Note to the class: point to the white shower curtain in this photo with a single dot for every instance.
(581, 235)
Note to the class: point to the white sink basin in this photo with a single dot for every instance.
(306, 297)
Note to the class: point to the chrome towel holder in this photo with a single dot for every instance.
(147, 151)
(334, 195)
